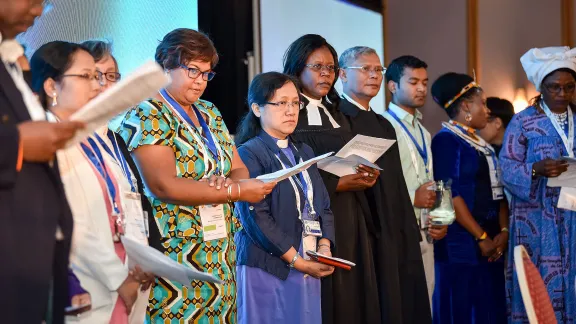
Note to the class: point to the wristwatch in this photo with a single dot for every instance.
(296, 256)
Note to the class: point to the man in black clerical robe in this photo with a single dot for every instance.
(401, 279)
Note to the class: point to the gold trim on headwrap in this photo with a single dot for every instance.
(469, 86)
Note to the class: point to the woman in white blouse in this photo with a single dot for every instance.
(65, 78)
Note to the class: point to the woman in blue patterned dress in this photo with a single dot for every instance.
(469, 268)
(192, 173)
(535, 142)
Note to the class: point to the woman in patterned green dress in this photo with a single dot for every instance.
(192, 172)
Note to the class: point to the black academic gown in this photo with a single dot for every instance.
(32, 205)
(401, 280)
(347, 296)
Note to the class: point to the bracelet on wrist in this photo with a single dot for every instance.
(296, 256)
(505, 229)
(482, 237)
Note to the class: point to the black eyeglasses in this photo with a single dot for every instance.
(286, 104)
(111, 76)
(555, 88)
(319, 67)
(193, 73)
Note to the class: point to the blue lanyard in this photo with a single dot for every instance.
(207, 134)
(117, 156)
(96, 158)
(422, 151)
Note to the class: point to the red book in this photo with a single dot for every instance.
(336, 262)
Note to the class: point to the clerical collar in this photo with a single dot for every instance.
(345, 96)
(282, 143)
(315, 102)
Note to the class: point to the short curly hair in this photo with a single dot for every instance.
(183, 45)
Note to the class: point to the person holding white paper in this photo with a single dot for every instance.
(192, 174)
(534, 145)
(277, 281)
(347, 296)
(399, 262)
(407, 80)
(65, 78)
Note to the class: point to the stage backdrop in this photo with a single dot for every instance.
(342, 24)
(134, 26)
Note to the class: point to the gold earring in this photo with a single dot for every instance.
(468, 117)
(54, 100)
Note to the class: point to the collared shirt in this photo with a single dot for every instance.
(354, 102)
(415, 176)
(313, 112)
(34, 107)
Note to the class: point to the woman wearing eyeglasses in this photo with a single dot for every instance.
(543, 217)
(347, 296)
(65, 79)
(277, 281)
(193, 174)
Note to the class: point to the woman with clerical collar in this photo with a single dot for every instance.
(276, 280)
(314, 62)
(542, 217)
(468, 262)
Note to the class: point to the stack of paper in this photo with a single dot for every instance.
(153, 261)
(566, 179)
(361, 149)
(287, 173)
(130, 91)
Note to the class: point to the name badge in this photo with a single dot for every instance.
(213, 222)
(567, 199)
(308, 244)
(312, 228)
(424, 213)
(497, 193)
(136, 225)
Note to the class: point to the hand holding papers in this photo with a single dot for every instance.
(153, 261)
(360, 150)
(566, 179)
(287, 173)
(130, 91)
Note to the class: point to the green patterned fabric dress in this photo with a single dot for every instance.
(153, 123)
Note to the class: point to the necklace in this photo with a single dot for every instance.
(561, 118)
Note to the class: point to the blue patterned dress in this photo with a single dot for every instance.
(153, 123)
(546, 231)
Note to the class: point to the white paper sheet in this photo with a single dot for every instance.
(154, 261)
(287, 173)
(566, 179)
(130, 91)
(360, 150)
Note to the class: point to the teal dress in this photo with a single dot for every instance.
(180, 227)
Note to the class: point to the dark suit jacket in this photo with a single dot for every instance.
(32, 205)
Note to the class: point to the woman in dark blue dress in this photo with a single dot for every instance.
(276, 281)
(468, 262)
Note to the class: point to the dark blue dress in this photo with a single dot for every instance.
(468, 289)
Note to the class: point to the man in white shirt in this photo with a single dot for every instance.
(32, 201)
(408, 82)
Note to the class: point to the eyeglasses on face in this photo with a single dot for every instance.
(111, 76)
(193, 73)
(366, 69)
(86, 76)
(555, 88)
(286, 104)
(330, 68)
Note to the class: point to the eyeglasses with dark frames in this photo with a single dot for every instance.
(193, 73)
(555, 88)
(111, 76)
(86, 76)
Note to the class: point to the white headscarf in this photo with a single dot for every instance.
(539, 62)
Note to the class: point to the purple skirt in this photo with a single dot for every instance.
(263, 298)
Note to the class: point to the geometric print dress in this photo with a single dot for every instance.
(548, 233)
(153, 123)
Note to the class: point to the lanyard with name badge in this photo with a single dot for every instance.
(95, 156)
(211, 217)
